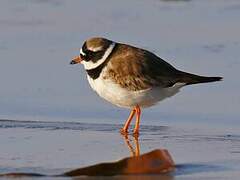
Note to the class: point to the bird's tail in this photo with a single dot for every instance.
(195, 79)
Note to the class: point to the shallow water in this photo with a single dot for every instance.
(59, 123)
(55, 147)
(51, 148)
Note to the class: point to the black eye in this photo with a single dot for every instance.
(87, 55)
(82, 56)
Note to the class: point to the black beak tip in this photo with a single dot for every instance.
(72, 62)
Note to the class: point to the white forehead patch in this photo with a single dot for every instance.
(82, 53)
(91, 65)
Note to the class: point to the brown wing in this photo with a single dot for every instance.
(138, 69)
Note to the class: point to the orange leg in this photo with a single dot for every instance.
(124, 130)
(137, 123)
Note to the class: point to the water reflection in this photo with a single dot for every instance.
(155, 164)
(133, 148)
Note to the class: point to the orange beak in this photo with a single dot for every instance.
(76, 60)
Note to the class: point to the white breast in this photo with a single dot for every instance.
(119, 96)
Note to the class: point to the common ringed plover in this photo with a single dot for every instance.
(131, 77)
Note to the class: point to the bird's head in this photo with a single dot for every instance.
(94, 52)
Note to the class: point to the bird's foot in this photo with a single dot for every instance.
(124, 131)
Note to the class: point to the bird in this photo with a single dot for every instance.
(131, 77)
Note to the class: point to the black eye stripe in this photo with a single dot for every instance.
(84, 48)
(97, 56)
(85, 53)
(89, 55)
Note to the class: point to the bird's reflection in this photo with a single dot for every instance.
(133, 145)
(157, 162)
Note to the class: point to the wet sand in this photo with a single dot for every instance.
(56, 147)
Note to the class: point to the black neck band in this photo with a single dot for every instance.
(95, 73)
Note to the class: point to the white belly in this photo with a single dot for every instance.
(119, 96)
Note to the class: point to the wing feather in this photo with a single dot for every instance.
(138, 69)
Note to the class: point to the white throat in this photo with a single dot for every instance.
(91, 65)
